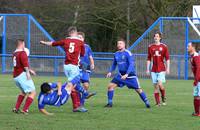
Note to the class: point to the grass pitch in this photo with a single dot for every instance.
(128, 112)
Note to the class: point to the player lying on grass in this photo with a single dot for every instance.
(123, 59)
(22, 78)
(56, 94)
(195, 64)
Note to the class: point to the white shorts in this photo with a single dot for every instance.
(71, 71)
(196, 90)
(158, 77)
(25, 85)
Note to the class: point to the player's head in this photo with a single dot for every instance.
(72, 31)
(45, 88)
(157, 37)
(121, 44)
(20, 44)
(81, 35)
(191, 47)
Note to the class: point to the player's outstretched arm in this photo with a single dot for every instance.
(45, 112)
(46, 43)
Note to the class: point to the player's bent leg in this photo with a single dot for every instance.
(143, 97)
(86, 87)
(110, 94)
(28, 102)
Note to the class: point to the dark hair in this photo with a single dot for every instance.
(121, 39)
(19, 41)
(71, 29)
(160, 34)
(82, 34)
(45, 87)
(195, 45)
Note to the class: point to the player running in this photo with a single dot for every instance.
(126, 74)
(86, 65)
(157, 52)
(56, 94)
(74, 48)
(22, 78)
(195, 62)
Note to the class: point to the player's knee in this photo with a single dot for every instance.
(139, 90)
(111, 87)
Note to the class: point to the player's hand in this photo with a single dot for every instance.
(42, 42)
(92, 66)
(32, 72)
(124, 76)
(59, 93)
(50, 114)
(109, 75)
(28, 76)
(148, 72)
(167, 71)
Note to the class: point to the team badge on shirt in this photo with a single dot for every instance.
(160, 48)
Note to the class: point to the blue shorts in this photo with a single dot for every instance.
(158, 77)
(196, 90)
(131, 83)
(24, 85)
(71, 71)
(85, 76)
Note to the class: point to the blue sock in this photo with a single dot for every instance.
(144, 98)
(80, 89)
(82, 99)
(110, 96)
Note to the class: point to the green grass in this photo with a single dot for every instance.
(128, 112)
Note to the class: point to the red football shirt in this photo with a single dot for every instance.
(73, 47)
(195, 62)
(20, 60)
(158, 53)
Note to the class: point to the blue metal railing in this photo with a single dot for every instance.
(159, 22)
(56, 58)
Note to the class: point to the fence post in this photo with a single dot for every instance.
(4, 45)
(29, 33)
(186, 53)
(161, 25)
(179, 67)
(55, 67)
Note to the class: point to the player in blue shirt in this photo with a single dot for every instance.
(86, 65)
(123, 59)
(56, 94)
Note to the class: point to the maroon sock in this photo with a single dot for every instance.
(157, 98)
(162, 93)
(27, 104)
(196, 105)
(19, 101)
(75, 99)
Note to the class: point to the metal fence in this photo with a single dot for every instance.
(49, 60)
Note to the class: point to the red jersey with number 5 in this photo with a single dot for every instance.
(195, 62)
(73, 47)
(20, 60)
(157, 54)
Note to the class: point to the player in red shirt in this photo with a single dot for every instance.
(22, 78)
(74, 48)
(157, 52)
(195, 64)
